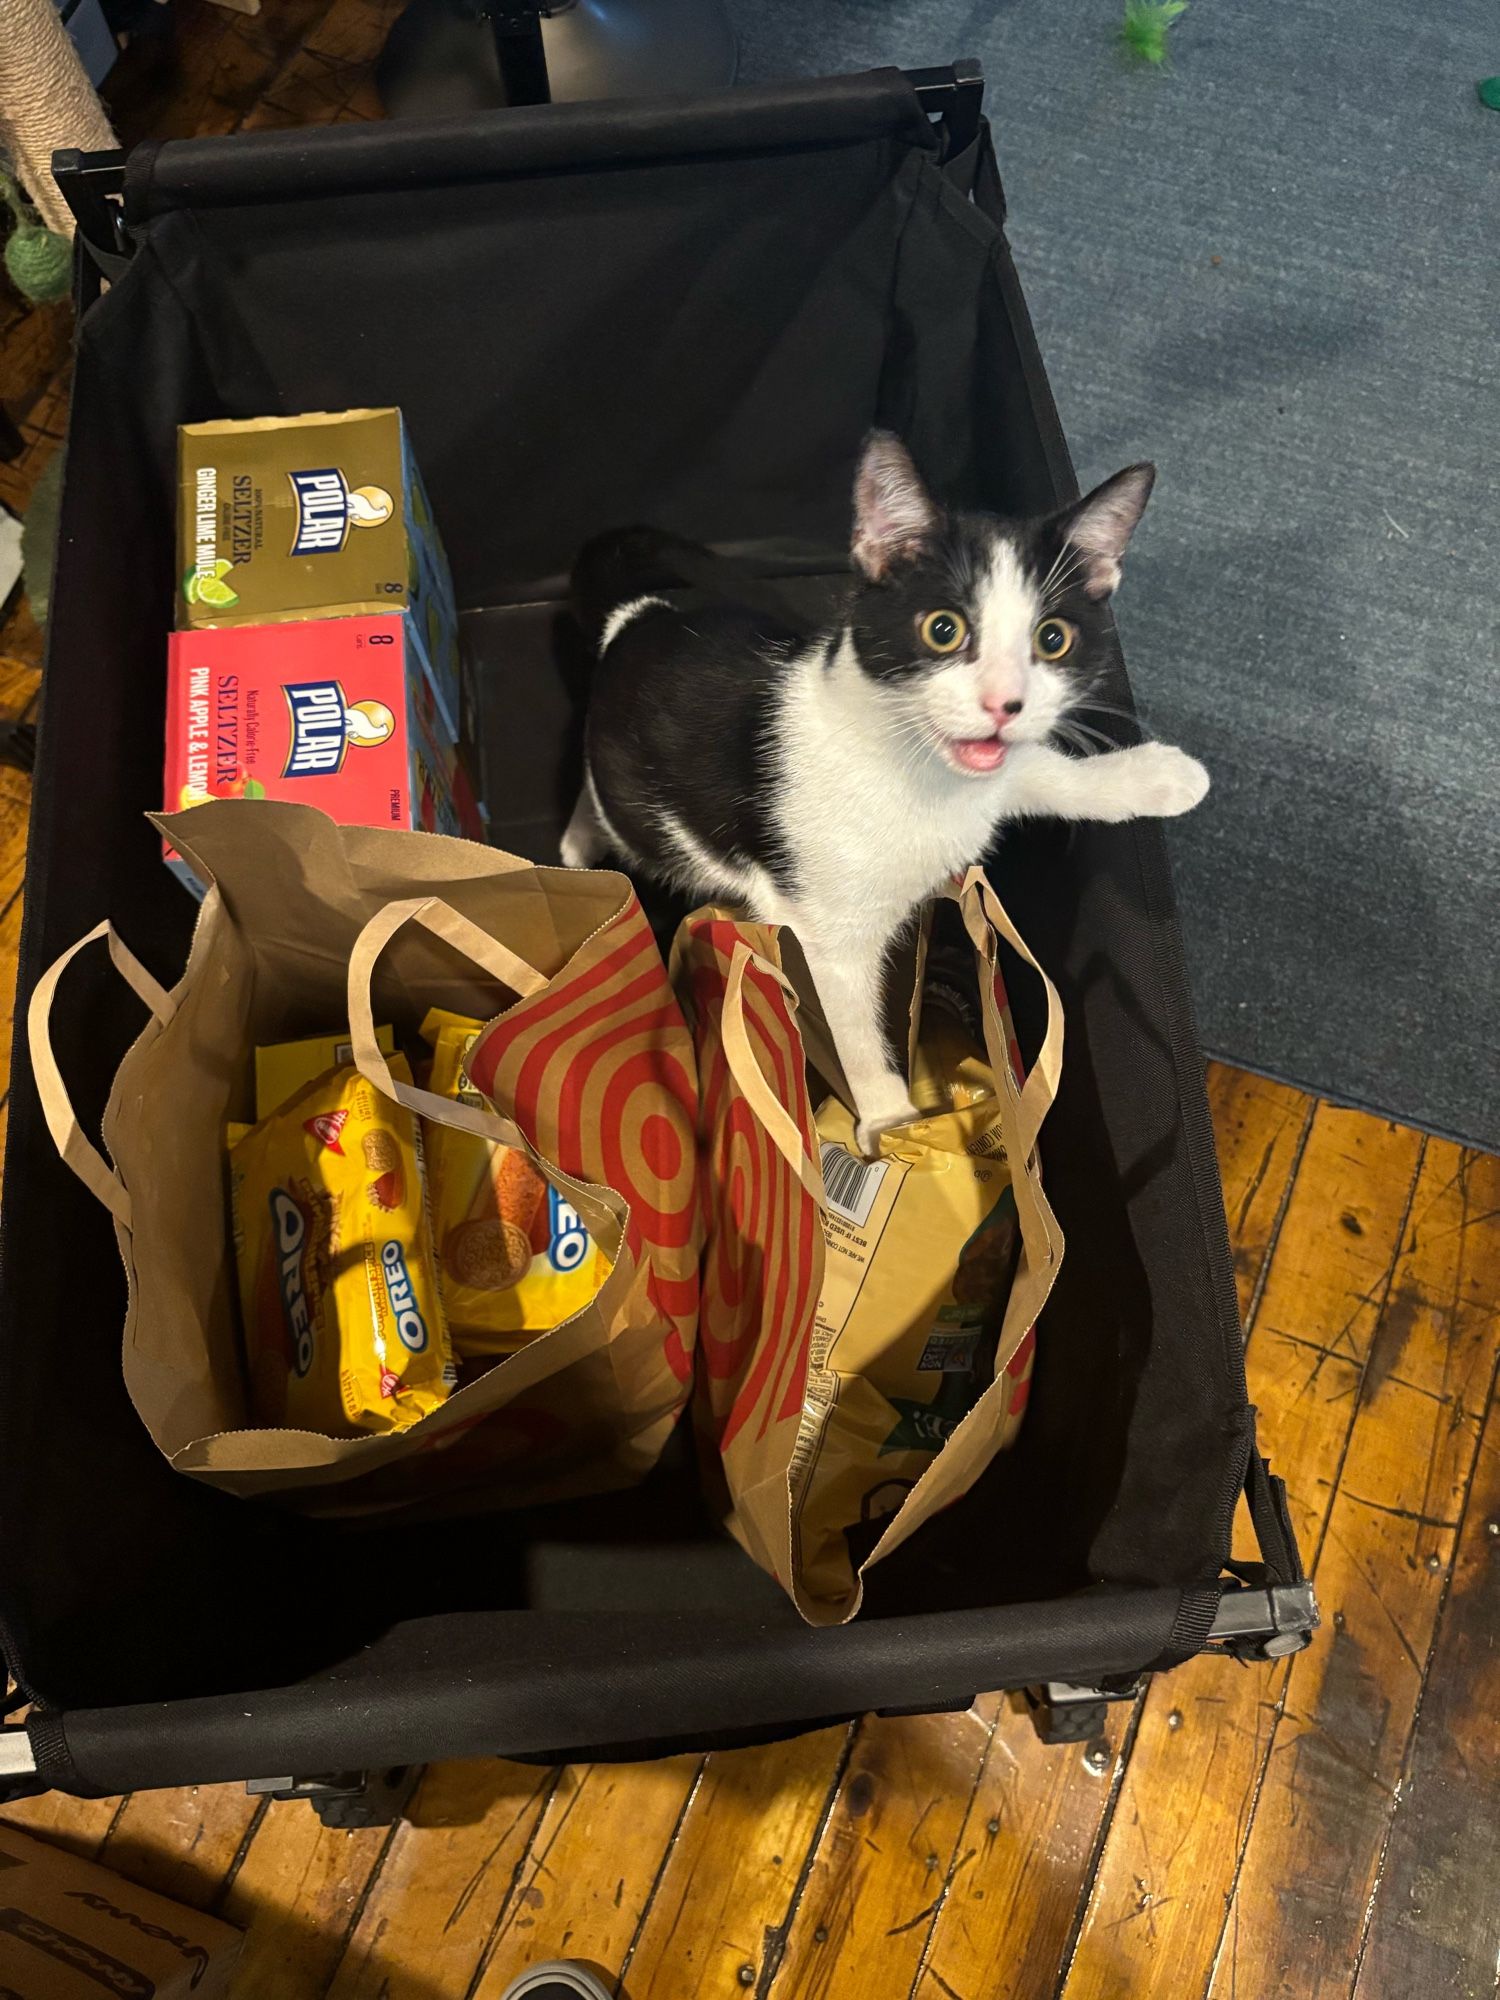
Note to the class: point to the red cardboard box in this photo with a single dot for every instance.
(336, 713)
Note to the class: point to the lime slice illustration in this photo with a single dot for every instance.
(223, 566)
(190, 585)
(212, 591)
(254, 789)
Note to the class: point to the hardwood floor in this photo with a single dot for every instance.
(1327, 1825)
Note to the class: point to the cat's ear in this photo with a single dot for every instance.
(1103, 522)
(894, 514)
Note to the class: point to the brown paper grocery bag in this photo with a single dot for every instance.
(764, 1387)
(763, 1188)
(308, 924)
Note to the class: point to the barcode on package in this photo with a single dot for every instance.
(851, 1185)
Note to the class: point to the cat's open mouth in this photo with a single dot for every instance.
(977, 756)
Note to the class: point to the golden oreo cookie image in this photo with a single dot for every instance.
(341, 1307)
(487, 1255)
(515, 1258)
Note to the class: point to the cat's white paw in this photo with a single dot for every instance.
(867, 1131)
(1165, 780)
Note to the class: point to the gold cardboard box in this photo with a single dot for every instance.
(318, 516)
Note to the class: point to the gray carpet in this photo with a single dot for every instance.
(1274, 271)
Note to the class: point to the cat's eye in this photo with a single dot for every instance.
(1054, 638)
(944, 631)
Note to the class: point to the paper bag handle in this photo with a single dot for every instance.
(78, 1151)
(1039, 1092)
(781, 1128)
(444, 922)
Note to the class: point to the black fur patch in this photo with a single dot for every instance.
(680, 719)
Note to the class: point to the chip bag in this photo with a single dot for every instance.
(514, 1258)
(921, 1247)
(947, 1072)
(342, 1314)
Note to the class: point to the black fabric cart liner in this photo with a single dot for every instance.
(687, 313)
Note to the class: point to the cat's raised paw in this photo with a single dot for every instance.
(867, 1131)
(1166, 780)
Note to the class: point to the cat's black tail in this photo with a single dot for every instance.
(635, 562)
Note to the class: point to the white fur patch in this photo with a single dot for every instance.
(870, 815)
(702, 872)
(589, 835)
(621, 616)
(1009, 605)
(1008, 608)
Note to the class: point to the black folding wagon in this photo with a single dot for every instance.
(686, 311)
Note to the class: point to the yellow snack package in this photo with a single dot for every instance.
(342, 1313)
(281, 1068)
(947, 1072)
(514, 1259)
(921, 1246)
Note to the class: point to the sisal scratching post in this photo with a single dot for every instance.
(46, 101)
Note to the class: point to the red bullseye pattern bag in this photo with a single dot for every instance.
(761, 1196)
(764, 1385)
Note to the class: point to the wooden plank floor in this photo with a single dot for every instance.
(1324, 1826)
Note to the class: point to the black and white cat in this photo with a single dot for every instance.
(832, 781)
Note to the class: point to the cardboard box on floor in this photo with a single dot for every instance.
(70, 1930)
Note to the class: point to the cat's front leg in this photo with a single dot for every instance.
(848, 974)
(1142, 781)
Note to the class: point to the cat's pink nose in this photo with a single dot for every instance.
(1002, 710)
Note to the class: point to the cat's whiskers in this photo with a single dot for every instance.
(1085, 700)
(914, 739)
(1084, 729)
(1053, 597)
(1067, 562)
(1067, 733)
(1062, 555)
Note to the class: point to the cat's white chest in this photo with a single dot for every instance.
(867, 816)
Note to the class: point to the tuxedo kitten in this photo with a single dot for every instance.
(832, 780)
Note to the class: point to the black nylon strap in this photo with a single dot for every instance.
(55, 1770)
(1273, 1523)
(1190, 1628)
(1280, 1563)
